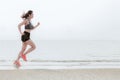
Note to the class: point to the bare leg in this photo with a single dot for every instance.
(31, 43)
(24, 45)
(17, 63)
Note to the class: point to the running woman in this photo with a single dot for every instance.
(25, 36)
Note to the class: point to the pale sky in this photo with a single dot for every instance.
(63, 19)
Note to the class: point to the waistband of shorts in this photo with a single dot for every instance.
(26, 32)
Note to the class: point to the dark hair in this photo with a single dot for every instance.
(26, 15)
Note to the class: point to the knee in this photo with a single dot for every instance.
(33, 47)
(24, 49)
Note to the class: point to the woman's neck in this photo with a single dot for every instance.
(29, 19)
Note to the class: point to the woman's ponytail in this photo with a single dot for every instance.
(26, 15)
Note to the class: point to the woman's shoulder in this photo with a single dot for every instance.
(25, 20)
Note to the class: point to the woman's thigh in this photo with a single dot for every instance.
(30, 42)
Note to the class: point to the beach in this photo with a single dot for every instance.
(60, 74)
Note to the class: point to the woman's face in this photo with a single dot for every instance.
(31, 16)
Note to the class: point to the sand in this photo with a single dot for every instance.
(61, 74)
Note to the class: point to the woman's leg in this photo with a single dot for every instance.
(31, 43)
(24, 45)
(17, 63)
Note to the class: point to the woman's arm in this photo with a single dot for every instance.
(36, 25)
(19, 26)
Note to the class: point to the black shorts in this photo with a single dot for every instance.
(25, 37)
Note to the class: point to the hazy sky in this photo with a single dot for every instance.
(63, 19)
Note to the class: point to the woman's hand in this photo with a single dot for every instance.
(22, 33)
(38, 23)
